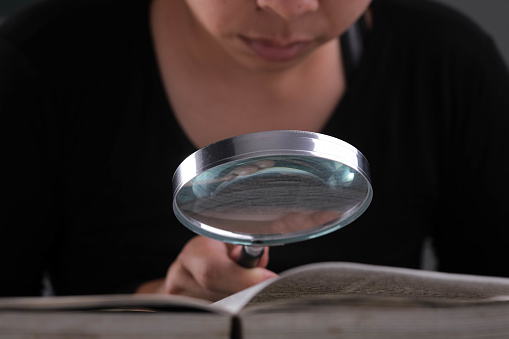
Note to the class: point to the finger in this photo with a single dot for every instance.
(180, 282)
(323, 217)
(264, 260)
(293, 222)
(299, 221)
(213, 269)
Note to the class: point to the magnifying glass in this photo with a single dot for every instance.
(271, 188)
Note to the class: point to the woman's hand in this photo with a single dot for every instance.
(208, 269)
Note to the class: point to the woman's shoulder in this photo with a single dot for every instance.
(53, 35)
(35, 19)
(428, 21)
(63, 24)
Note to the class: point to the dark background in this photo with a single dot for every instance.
(10, 6)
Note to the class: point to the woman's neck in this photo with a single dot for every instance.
(213, 96)
(178, 36)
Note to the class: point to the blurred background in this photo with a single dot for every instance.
(491, 15)
(8, 7)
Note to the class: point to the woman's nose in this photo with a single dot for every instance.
(289, 9)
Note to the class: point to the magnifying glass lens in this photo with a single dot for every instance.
(272, 199)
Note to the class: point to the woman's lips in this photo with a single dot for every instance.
(274, 51)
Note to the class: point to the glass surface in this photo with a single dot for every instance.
(272, 199)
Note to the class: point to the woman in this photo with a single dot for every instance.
(102, 100)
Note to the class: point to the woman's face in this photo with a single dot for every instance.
(274, 33)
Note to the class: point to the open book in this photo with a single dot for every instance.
(325, 300)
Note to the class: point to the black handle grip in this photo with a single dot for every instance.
(250, 256)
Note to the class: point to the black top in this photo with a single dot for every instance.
(90, 144)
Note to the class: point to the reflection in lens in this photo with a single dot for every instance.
(274, 195)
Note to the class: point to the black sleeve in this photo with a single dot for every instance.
(89, 151)
(28, 220)
(472, 235)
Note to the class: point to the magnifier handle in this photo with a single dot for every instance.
(250, 256)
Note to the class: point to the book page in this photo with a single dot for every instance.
(235, 302)
(119, 302)
(344, 279)
(349, 279)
